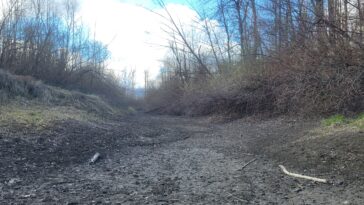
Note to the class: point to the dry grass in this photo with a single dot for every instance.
(18, 88)
(37, 117)
(28, 103)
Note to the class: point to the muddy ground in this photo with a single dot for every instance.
(175, 160)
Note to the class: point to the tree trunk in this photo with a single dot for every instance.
(256, 45)
(332, 20)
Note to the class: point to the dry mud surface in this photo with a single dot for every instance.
(174, 160)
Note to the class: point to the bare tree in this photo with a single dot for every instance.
(181, 34)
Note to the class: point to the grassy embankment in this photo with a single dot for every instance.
(31, 104)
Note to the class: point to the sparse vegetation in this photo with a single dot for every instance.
(15, 88)
(334, 120)
(28, 103)
(342, 121)
(358, 122)
(336, 125)
(39, 117)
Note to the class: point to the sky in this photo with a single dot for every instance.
(134, 34)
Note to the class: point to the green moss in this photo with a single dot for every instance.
(334, 120)
(340, 120)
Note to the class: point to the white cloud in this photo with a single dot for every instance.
(134, 34)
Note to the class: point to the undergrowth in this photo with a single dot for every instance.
(305, 87)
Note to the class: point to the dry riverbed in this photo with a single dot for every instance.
(175, 160)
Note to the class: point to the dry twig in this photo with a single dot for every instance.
(236, 198)
(245, 165)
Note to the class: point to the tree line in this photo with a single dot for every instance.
(253, 56)
(46, 39)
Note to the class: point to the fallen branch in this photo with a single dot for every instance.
(302, 176)
(245, 165)
(236, 198)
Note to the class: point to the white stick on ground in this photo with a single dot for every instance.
(302, 176)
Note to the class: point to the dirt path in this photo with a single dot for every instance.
(163, 160)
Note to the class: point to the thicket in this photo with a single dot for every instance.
(275, 57)
(46, 40)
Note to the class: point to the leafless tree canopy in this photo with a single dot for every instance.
(44, 39)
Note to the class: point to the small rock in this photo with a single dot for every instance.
(25, 196)
(339, 183)
(13, 181)
(298, 190)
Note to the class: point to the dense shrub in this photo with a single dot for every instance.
(166, 98)
(305, 87)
